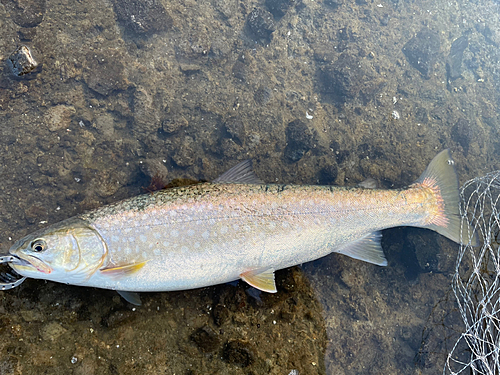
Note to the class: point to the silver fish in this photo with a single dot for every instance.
(234, 228)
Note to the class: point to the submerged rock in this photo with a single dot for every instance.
(299, 140)
(261, 24)
(350, 77)
(105, 72)
(26, 13)
(462, 134)
(454, 59)
(143, 16)
(421, 50)
(22, 62)
(279, 7)
(238, 353)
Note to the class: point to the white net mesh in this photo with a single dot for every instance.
(476, 282)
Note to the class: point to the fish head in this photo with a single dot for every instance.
(67, 252)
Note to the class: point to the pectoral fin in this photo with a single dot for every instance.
(367, 249)
(130, 297)
(262, 280)
(113, 270)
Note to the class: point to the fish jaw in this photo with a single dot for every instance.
(29, 262)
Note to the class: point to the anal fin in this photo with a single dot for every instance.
(367, 249)
(130, 297)
(262, 280)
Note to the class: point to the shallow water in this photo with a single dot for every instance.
(328, 92)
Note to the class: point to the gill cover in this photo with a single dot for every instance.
(68, 252)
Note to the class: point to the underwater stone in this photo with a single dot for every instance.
(299, 140)
(206, 339)
(236, 129)
(238, 353)
(454, 59)
(184, 155)
(262, 95)
(26, 13)
(350, 77)
(146, 120)
(105, 72)
(143, 16)
(172, 124)
(278, 8)
(422, 49)
(261, 24)
(462, 134)
(22, 62)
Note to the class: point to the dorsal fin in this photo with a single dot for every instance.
(241, 173)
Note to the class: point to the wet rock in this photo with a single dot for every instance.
(107, 182)
(220, 47)
(384, 19)
(155, 169)
(424, 248)
(229, 148)
(26, 13)
(143, 16)
(327, 175)
(239, 71)
(278, 8)
(261, 24)
(421, 50)
(174, 123)
(105, 72)
(22, 62)
(206, 339)
(220, 314)
(184, 155)
(236, 129)
(350, 77)
(52, 331)
(262, 95)
(421, 115)
(490, 36)
(27, 33)
(454, 59)
(238, 353)
(299, 140)
(345, 37)
(462, 134)
(146, 120)
(59, 117)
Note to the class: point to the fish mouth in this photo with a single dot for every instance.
(27, 261)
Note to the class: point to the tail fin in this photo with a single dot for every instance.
(441, 177)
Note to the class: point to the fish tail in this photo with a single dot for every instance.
(441, 178)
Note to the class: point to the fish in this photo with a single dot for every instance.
(233, 228)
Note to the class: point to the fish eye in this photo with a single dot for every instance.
(38, 245)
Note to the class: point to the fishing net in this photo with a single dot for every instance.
(476, 281)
